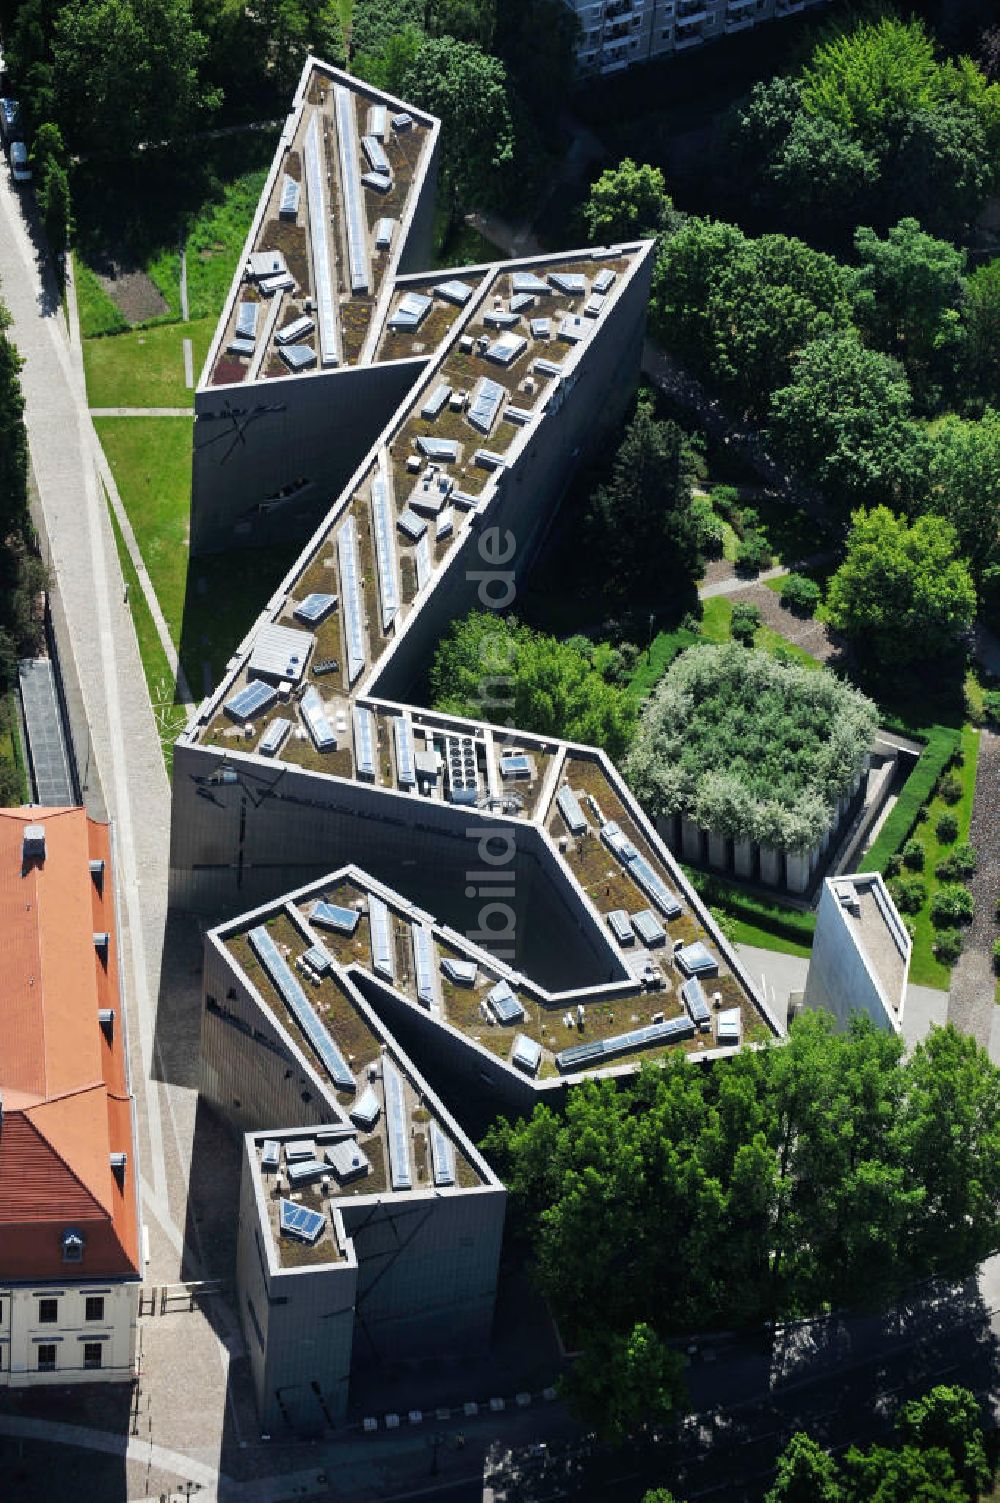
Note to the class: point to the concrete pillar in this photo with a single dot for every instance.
(718, 853)
(666, 828)
(797, 866)
(825, 842)
(771, 866)
(692, 839)
(743, 854)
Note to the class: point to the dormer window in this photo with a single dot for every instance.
(72, 1245)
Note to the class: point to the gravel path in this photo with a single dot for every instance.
(813, 636)
(971, 1006)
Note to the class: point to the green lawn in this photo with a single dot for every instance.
(138, 210)
(145, 367)
(170, 717)
(150, 459)
(715, 624)
(209, 607)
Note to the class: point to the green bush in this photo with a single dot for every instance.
(913, 856)
(950, 788)
(753, 554)
(951, 904)
(892, 865)
(991, 706)
(947, 945)
(958, 864)
(996, 955)
(711, 531)
(726, 501)
(908, 893)
(800, 594)
(946, 828)
(744, 623)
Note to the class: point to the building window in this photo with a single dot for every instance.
(72, 1246)
(48, 1311)
(92, 1354)
(95, 1306)
(47, 1357)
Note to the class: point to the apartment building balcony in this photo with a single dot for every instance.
(692, 15)
(738, 23)
(684, 40)
(789, 7)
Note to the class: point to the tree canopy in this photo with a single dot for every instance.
(902, 594)
(965, 487)
(829, 1170)
(875, 126)
(641, 520)
(127, 71)
(844, 422)
(625, 202)
(907, 301)
(493, 667)
(750, 747)
(467, 89)
(738, 310)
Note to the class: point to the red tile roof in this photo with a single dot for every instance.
(63, 1081)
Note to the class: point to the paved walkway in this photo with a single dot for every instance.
(125, 744)
(141, 412)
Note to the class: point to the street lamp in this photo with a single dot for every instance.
(439, 1440)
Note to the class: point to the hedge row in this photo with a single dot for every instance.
(941, 744)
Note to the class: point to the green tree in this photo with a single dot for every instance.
(387, 67)
(625, 202)
(981, 313)
(55, 207)
(844, 422)
(495, 668)
(127, 72)
(738, 311)
(902, 594)
(467, 89)
(622, 1383)
(907, 299)
(949, 1419)
(13, 439)
(948, 1130)
(465, 20)
(965, 487)
(907, 1475)
(806, 1474)
(641, 520)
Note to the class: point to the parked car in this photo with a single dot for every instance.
(10, 119)
(19, 165)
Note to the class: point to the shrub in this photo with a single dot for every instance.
(947, 945)
(991, 706)
(913, 856)
(711, 532)
(690, 622)
(747, 519)
(744, 623)
(996, 955)
(800, 594)
(959, 864)
(892, 866)
(753, 554)
(726, 501)
(946, 828)
(950, 788)
(951, 904)
(908, 893)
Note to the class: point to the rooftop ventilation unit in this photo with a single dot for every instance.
(33, 848)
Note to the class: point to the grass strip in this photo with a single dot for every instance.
(170, 717)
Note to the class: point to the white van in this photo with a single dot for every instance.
(20, 171)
